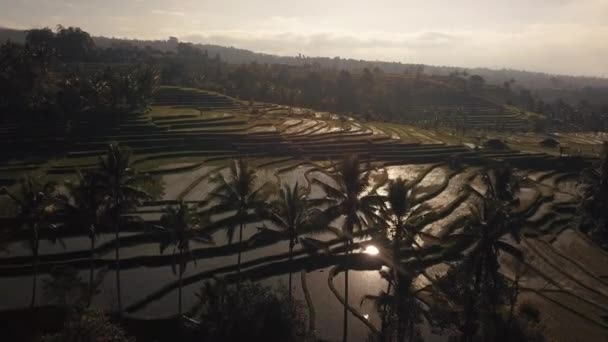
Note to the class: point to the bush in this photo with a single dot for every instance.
(495, 144)
(89, 326)
(254, 313)
(549, 143)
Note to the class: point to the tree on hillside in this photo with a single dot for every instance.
(25, 83)
(244, 81)
(312, 91)
(40, 37)
(74, 44)
(476, 82)
(345, 93)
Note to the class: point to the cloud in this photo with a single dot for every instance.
(173, 13)
(550, 48)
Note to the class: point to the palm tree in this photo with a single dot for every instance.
(293, 214)
(492, 221)
(181, 224)
(236, 194)
(122, 191)
(401, 310)
(593, 208)
(396, 215)
(349, 199)
(35, 203)
(84, 210)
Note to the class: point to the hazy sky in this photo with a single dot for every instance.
(558, 36)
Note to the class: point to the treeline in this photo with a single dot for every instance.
(536, 81)
(367, 93)
(64, 72)
(42, 79)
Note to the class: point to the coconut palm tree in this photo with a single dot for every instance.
(400, 309)
(122, 190)
(180, 225)
(236, 194)
(480, 284)
(35, 202)
(491, 222)
(593, 210)
(83, 209)
(292, 213)
(349, 198)
(396, 215)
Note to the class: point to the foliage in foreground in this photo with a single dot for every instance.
(594, 207)
(252, 312)
(89, 326)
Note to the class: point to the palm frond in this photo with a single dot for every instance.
(330, 191)
(509, 249)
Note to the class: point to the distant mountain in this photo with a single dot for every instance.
(17, 36)
(531, 80)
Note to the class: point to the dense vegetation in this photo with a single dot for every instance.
(64, 72)
(40, 80)
(62, 77)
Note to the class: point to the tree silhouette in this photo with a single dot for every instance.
(180, 225)
(35, 202)
(40, 37)
(122, 190)
(593, 210)
(349, 199)
(73, 44)
(398, 306)
(84, 210)
(476, 283)
(401, 310)
(293, 213)
(235, 194)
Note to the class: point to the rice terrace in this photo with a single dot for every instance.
(211, 193)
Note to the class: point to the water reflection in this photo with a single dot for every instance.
(371, 250)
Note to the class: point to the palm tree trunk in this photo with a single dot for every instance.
(238, 262)
(384, 318)
(35, 279)
(291, 243)
(345, 319)
(119, 299)
(91, 271)
(395, 270)
(309, 303)
(179, 293)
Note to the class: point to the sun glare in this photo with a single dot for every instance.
(371, 250)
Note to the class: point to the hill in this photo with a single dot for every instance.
(545, 84)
